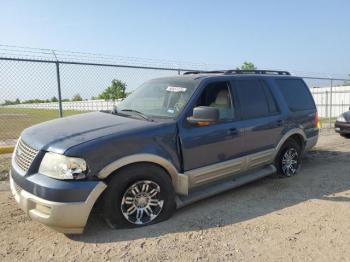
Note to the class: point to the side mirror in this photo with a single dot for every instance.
(204, 115)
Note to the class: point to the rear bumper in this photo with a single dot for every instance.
(311, 142)
(342, 127)
(65, 217)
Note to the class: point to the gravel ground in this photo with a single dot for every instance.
(4, 166)
(304, 218)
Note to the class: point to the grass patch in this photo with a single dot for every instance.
(14, 120)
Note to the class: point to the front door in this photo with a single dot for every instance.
(205, 146)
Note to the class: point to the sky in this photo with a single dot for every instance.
(302, 36)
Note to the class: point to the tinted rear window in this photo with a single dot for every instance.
(252, 98)
(296, 94)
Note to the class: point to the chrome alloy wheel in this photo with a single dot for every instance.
(140, 203)
(290, 162)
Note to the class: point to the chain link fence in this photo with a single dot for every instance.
(37, 85)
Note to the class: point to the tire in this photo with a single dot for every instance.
(288, 159)
(124, 207)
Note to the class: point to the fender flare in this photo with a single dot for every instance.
(180, 186)
(286, 136)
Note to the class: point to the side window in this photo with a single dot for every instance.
(218, 95)
(296, 94)
(253, 99)
(273, 108)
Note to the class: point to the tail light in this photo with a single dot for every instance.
(317, 123)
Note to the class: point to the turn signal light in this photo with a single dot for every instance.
(317, 123)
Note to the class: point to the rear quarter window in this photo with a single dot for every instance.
(296, 94)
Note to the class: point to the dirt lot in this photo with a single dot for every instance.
(304, 218)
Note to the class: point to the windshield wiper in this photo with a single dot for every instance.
(137, 112)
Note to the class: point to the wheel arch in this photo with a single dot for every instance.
(297, 134)
(299, 139)
(178, 180)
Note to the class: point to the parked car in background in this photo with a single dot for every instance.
(342, 124)
(173, 141)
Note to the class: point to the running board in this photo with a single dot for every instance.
(211, 190)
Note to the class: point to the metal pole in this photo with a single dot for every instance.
(331, 105)
(178, 71)
(59, 89)
(58, 84)
(326, 105)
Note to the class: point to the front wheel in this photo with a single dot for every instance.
(141, 202)
(288, 159)
(137, 196)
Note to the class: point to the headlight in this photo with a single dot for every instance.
(62, 167)
(341, 118)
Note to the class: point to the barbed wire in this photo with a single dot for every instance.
(12, 51)
(8, 51)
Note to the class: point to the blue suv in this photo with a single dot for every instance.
(173, 141)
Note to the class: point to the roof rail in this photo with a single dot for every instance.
(258, 72)
(204, 72)
(239, 71)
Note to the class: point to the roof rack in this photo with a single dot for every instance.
(204, 72)
(239, 71)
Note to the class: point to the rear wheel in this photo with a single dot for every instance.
(138, 195)
(288, 159)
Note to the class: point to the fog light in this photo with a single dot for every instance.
(43, 209)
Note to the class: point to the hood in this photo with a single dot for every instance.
(60, 134)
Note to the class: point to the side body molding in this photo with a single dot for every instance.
(180, 181)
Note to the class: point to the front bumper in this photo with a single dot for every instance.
(65, 217)
(342, 127)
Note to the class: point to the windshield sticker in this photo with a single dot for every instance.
(176, 89)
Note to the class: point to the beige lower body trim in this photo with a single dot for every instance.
(69, 218)
(207, 174)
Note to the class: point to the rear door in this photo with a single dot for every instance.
(260, 116)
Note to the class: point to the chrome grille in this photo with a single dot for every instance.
(24, 155)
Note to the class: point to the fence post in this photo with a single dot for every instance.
(326, 105)
(58, 84)
(331, 105)
(59, 89)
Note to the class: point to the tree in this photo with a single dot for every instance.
(115, 91)
(54, 99)
(247, 66)
(77, 97)
(9, 102)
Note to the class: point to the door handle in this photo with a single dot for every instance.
(232, 132)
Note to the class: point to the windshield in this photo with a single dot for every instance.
(159, 98)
